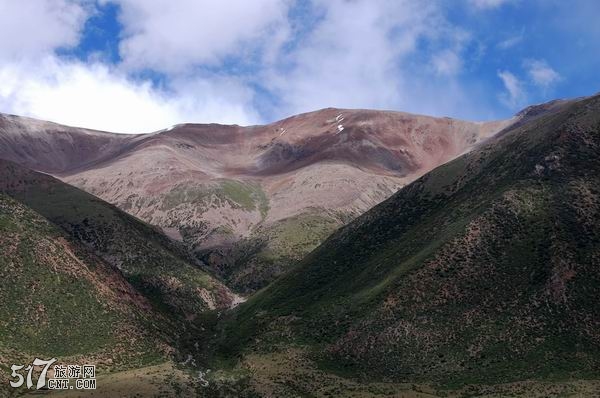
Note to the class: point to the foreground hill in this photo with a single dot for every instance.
(483, 271)
(247, 201)
(150, 261)
(60, 300)
(84, 281)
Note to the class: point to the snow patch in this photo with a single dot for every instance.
(338, 119)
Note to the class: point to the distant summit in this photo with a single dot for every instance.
(248, 202)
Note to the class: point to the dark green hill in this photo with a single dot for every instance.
(485, 270)
(82, 280)
(59, 300)
(150, 261)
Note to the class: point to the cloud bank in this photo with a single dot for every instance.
(247, 62)
(96, 96)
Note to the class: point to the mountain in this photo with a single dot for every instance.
(62, 301)
(53, 148)
(247, 202)
(483, 272)
(479, 278)
(82, 280)
(155, 265)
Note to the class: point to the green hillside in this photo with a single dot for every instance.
(59, 300)
(251, 263)
(151, 262)
(83, 279)
(484, 271)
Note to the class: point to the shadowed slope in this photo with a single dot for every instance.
(149, 260)
(60, 300)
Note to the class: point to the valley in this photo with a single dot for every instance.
(382, 264)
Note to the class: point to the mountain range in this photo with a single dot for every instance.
(380, 253)
(247, 202)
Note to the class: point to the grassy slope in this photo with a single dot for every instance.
(248, 196)
(249, 263)
(271, 250)
(164, 380)
(148, 259)
(483, 271)
(179, 296)
(61, 301)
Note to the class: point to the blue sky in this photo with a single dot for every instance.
(142, 65)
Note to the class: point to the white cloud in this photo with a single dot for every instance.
(515, 93)
(510, 42)
(488, 4)
(394, 54)
(447, 62)
(31, 28)
(347, 60)
(96, 96)
(541, 73)
(357, 56)
(37, 83)
(171, 36)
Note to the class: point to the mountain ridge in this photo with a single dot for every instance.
(230, 192)
(480, 273)
(483, 271)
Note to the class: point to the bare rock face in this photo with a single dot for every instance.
(248, 201)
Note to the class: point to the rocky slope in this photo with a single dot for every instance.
(248, 201)
(483, 271)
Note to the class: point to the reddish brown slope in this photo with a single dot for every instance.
(54, 148)
(249, 201)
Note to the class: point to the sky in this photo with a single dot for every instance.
(136, 66)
